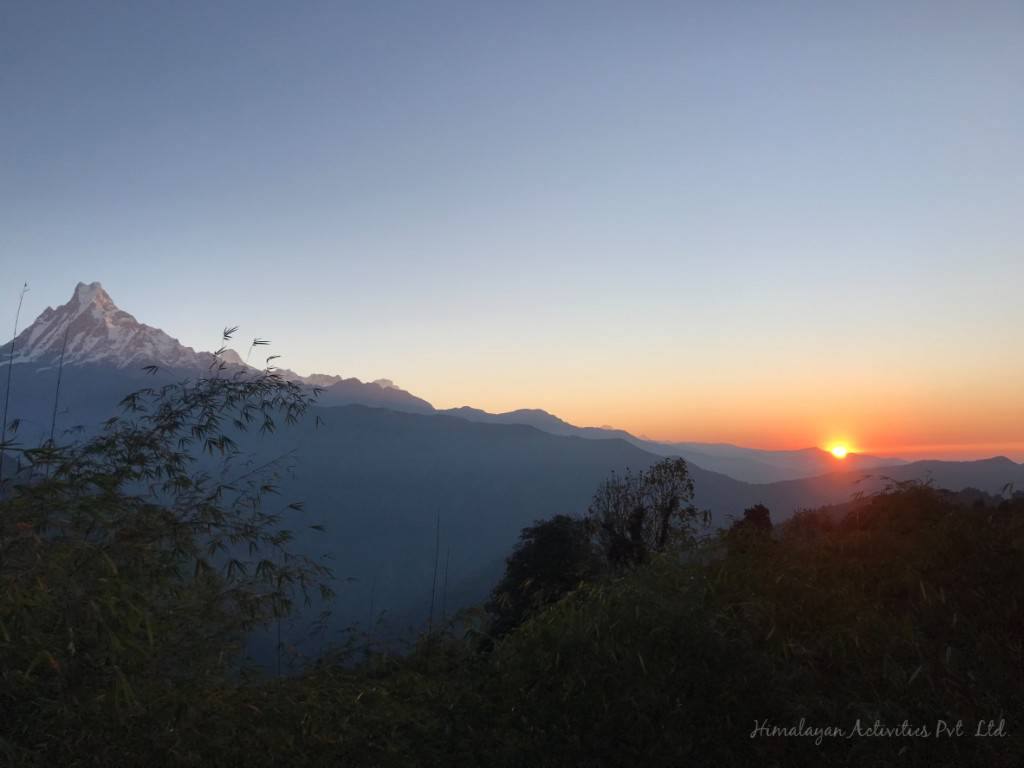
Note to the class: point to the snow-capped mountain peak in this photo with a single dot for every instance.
(91, 329)
(92, 296)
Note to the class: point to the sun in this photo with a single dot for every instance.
(839, 451)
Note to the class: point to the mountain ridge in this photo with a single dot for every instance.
(379, 476)
(90, 329)
(99, 333)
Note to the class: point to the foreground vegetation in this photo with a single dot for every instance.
(129, 577)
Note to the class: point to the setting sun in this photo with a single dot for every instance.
(839, 451)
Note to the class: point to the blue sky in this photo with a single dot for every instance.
(621, 212)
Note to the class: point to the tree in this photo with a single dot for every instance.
(133, 562)
(651, 511)
(757, 518)
(753, 529)
(551, 559)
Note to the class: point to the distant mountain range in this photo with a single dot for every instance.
(91, 330)
(749, 464)
(378, 477)
(386, 462)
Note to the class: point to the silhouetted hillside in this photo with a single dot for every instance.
(378, 478)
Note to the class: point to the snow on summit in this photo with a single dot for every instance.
(91, 329)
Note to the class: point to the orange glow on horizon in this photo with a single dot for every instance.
(898, 418)
(840, 451)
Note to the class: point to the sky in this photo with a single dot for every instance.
(775, 224)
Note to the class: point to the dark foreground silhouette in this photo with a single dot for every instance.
(131, 574)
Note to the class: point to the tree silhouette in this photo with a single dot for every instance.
(755, 518)
(551, 559)
(640, 513)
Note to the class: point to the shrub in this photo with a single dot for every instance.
(130, 569)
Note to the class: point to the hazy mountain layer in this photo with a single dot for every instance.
(90, 330)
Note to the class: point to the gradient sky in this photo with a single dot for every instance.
(778, 224)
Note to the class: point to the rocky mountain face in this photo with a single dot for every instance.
(102, 353)
(91, 329)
